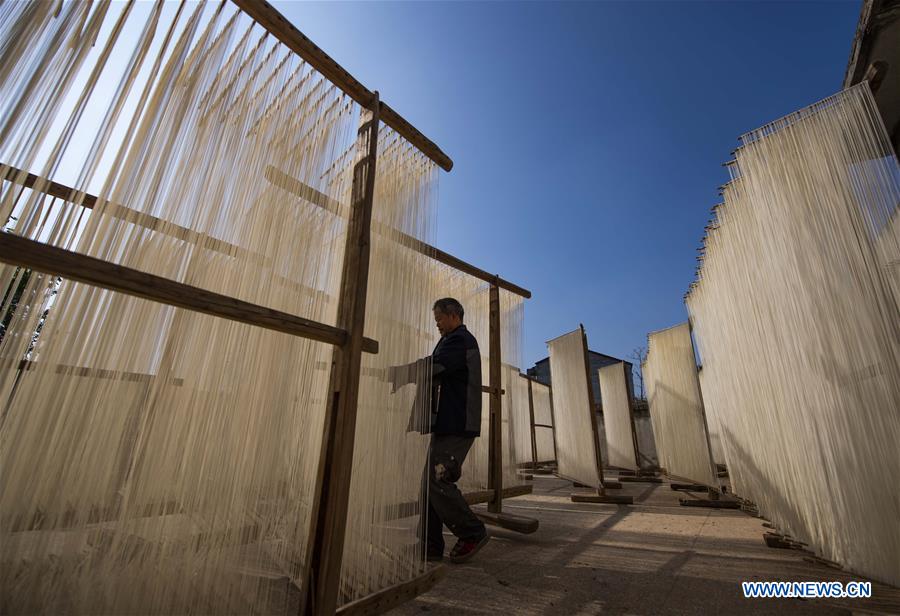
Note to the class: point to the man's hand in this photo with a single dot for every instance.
(439, 471)
(448, 471)
(393, 376)
(398, 376)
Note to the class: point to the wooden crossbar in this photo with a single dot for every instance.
(89, 201)
(100, 373)
(55, 261)
(296, 187)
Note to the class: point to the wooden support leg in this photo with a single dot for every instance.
(553, 427)
(600, 496)
(534, 460)
(634, 439)
(329, 514)
(495, 453)
(389, 598)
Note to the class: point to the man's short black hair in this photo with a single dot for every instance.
(448, 305)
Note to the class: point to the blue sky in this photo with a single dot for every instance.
(587, 138)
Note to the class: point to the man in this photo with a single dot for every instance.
(454, 425)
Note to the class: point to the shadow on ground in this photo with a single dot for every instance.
(651, 558)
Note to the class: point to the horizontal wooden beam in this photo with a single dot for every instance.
(411, 508)
(306, 192)
(484, 496)
(296, 187)
(157, 225)
(274, 176)
(467, 268)
(269, 18)
(392, 596)
(141, 219)
(101, 373)
(82, 268)
(72, 518)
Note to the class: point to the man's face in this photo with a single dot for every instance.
(446, 323)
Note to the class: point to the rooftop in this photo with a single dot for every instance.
(593, 353)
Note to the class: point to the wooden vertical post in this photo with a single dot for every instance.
(329, 513)
(553, 419)
(634, 438)
(601, 496)
(590, 391)
(714, 490)
(534, 459)
(495, 449)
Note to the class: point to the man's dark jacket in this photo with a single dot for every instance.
(456, 388)
(455, 385)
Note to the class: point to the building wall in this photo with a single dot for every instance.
(875, 56)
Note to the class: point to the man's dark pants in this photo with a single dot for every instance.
(446, 504)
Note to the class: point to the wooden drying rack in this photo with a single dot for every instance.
(328, 522)
(599, 495)
(534, 425)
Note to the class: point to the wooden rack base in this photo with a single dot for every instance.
(485, 496)
(783, 542)
(640, 479)
(408, 509)
(546, 470)
(607, 484)
(722, 503)
(389, 598)
(515, 523)
(818, 560)
(508, 521)
(644, 472)
(593, 496)
(689, 487)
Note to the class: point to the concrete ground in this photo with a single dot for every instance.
(654, 557)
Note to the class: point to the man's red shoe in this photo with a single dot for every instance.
(464, 550)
